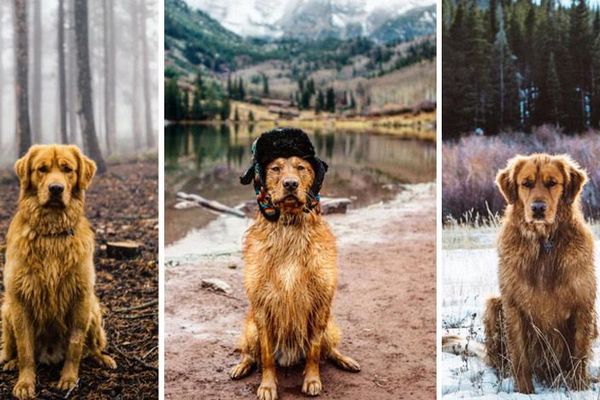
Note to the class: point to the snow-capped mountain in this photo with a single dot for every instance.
(384, 20)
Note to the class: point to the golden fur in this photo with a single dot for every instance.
(544, 322)
(50, 311)
(290, 279)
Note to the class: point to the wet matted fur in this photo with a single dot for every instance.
(290, 278)
(50, 312)
(544, 322)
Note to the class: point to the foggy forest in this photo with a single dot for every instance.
(79, 72)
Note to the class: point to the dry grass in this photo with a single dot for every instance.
(470, 166)
(409, 126)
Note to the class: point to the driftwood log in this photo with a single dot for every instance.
(248, 209)
(194, 200)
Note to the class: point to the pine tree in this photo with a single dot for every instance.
(250, 116)
(265, 85)
(236, 115)
(330, 100)
(554, 93)
(320, 103)
(225, 109)
(229, 87)
(196, 111)
(172, 100)
(595, 101)
(241, 90)
(185, 105)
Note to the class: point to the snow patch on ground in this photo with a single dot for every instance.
(469, 277)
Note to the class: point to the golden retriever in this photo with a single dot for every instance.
(50, 311)
(543, 323)
(290, 278)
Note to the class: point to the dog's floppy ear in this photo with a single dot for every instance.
(506, 179)
(23, 168)
(576, 178)
(87, 169)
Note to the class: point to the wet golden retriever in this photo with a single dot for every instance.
(50, 312)
(543, 323)
(290, 279)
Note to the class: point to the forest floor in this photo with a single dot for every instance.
(121, 204)
(385, 306)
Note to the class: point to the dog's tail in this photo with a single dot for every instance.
(462, 346)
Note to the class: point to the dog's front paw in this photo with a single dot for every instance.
(67, 382)
(267, 391)
(24, 389)
(11, 365)
(241, 370)
(105, 360)
(312, 386)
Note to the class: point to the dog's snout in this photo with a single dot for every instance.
(56, 189)
(290, 184)
(538, 208)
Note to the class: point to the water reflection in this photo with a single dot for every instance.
(208, 160)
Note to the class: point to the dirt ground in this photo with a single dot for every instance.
(121, 205)
(385, 306)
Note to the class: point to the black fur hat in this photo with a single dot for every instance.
(283, 142)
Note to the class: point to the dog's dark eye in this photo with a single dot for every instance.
(300, 167)
(528, 184)
(67, 169)
(275, 169)
(43, 169)
(550, 184)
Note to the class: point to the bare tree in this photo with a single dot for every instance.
(71, 67)
(147, 83)
(21, 78)
(36, 64)
(109, 74)
(62, 79)
(137, 136)
(1, 72)
(84, 84)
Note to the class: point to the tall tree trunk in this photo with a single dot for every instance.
(84, 84)
(62, 80)
(1, 74)
(109, 75)
(147, 82)
(72, 74)
(36, 64)
(135, 110)
(21, 78)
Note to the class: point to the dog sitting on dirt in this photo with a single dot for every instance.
(544, 322)
(50, 312)
(290, 266)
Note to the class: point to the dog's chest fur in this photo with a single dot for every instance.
(553, 283)
(46, 274)
(290, 279)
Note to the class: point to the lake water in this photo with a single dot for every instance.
(208, 160)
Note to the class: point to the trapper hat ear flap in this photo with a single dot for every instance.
(320, 168)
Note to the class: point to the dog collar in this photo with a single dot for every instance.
(67, 232)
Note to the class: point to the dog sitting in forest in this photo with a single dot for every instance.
(544, 322)
(290, 266)
(50, 312)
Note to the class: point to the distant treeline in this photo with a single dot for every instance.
(204, 100)
(520, 64)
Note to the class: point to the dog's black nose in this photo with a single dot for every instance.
(290, 184)
(56, 189)
(538, 208)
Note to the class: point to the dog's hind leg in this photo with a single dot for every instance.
(8, 356)
(496, 353)
(96, 340)
(331, 339)
(250, 349)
